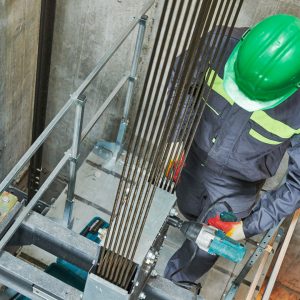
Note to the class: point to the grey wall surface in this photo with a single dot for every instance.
(254, 11)
(19, 27)
(84, 31)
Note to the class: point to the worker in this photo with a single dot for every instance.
(252, 117)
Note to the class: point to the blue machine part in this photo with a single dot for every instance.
(226, 247)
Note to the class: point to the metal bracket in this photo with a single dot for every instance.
(262, 246)
(131, 78)
(44, 295)
(74, 159)
(98, 288)
(81, 100)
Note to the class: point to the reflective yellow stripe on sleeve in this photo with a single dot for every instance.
(273, 126)
(261, 138)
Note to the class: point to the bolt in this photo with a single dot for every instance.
(150, 255)
(142, 296)
(173, 212)
(154, 273)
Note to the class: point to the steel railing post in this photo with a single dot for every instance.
(74, 153)
(132, 79)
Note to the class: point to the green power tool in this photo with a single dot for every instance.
(210, 239)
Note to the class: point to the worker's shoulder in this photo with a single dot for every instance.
(288, 111)
(234, 33)
(238, 32)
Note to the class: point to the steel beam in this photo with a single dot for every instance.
(57, 240)
(32, 282)
(26, 210)
(73, 160)
(47, 17)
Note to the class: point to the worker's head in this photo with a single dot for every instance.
(263, 70)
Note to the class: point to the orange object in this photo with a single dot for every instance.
(174, 168)
(224, 226)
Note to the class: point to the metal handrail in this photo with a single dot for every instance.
(47, 131)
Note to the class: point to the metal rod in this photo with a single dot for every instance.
(103, 259)
(141, 215)
(26, 210)
(145, 125)
(32, 149)
(103, 61)
(132, 79)
(206, 57)
(141, 211)
(74, 159)
(103, 107)
(206, 7)
(148, 153)
(134, 66)
(185, 133)
(281, 256)
(258, 273)
(186, 75)
(146, 213)
(200, 109)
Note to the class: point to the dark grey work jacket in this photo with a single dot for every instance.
(249, 146)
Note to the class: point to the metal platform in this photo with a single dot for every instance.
(95, 192)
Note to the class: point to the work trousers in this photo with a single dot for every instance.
(198, 189)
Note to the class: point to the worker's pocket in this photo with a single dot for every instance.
(191, 194)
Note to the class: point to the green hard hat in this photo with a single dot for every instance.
(263, 69)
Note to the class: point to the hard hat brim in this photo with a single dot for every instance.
(238, 96)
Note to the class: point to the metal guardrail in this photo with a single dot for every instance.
(78, 135)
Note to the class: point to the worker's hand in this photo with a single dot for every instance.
(233, 230)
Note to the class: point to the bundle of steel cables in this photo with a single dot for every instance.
(190, 44)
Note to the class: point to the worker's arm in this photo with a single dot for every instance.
(280, 203)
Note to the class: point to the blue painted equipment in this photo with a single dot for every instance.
(228, 248)
(210, 239)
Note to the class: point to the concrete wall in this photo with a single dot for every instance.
(84, 31)
(254, 11)
(19, 27)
